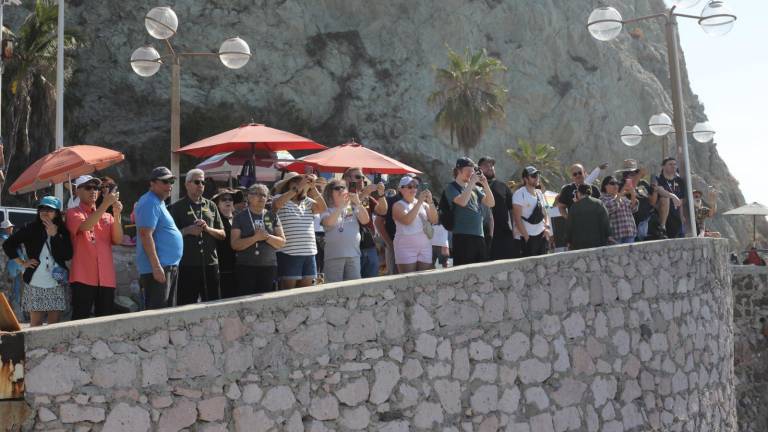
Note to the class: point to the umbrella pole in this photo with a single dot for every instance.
(754, 230)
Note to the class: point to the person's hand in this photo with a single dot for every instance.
(368, 190)
(31, 263)
(194, 229)
(50, 227)
(474, 179)
(444, 251)
(158, 274)
(261, 234)
(525, 236)
(603, 165)
(380, 188)
(547, 234)
(426, 196)
(354, 199)
(117, 207)
(712, 194)
(111, 198)
(307, 182)
(675, 200)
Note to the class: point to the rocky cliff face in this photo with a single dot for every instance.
(340, 69)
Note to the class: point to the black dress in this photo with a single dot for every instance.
(227, 277)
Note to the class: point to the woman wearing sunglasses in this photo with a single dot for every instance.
(47, 243)
(414, 218)
(256, 235)
(225, 202)
(342, 221)
(621, 208)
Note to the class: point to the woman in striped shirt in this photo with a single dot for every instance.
(296, 206)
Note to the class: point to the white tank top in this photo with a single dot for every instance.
(416, 227)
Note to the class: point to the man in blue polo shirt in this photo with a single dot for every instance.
(160, 244)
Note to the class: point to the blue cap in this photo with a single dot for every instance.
(50, 201)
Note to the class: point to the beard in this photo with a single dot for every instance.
(490, 176)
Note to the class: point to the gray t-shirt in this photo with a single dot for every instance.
(245, 221)
(469, 219)
(343, 239)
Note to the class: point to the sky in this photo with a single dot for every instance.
(730, 75)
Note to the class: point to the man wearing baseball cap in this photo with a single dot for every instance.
(465, 198)
(93, 232)
(502, 243)
(160, 245)
(532, 225)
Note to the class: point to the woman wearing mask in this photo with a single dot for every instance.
(256, 235)
(297, 203)
(414, 218)
(225, 202)
(48, 247)
(621, 207)
(341, 222)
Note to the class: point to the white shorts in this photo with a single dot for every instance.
(410, 249)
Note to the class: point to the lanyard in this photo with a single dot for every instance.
(253, 224)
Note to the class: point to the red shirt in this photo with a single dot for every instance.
(92, 262)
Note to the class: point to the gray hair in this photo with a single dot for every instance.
(193, 173)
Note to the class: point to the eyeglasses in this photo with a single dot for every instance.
(339, 188)
(357, 177)
(168, 181)
(410, 186)
(613, 183)
(197, 182)
(89, 187)
(577, 173)
(227, 199)
(107, 185)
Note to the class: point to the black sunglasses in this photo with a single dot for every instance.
(168, 181)
(613, 183)
(197, 182)
(339, 188)
(578, 173)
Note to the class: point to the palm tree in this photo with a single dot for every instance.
(542, 156)
(32, 77)
(468, 97)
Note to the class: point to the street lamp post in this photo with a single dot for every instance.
(161, 23)
(716, 19)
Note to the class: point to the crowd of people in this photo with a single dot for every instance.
(306, 229)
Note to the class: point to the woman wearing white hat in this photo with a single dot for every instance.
(414, 218)
(48, 247)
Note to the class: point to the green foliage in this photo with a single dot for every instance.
(468, 97)
(542, 156)
(31, 73)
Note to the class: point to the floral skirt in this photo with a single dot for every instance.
(36, 299)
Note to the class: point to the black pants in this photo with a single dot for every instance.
(159, 295)
(468, 249)
(228, 283)
(535, 246)
(255, 279)
(88, 297)
(504, 246)
(198, 282)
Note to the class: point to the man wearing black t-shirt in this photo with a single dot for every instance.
(502, 244)
(568, 193)
(671, 205)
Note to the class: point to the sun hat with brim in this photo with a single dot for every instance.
(51, 202)
(630, 165)
(280, 185)
(223, 192)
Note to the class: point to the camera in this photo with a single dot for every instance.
(112, 188)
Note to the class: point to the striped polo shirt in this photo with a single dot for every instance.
(298, 227)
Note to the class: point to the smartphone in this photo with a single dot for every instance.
(423, 187)
(630, 183)
(352, 188)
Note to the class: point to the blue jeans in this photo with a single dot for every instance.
(642, 229)
(625, 240)
(369, 263)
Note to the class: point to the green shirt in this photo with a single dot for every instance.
(469, 219)
(198, 250)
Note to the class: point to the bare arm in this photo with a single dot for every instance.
(145, 236)
(117, 225)
(488, 199)
(406, 218)
(319, 205)
(276, 240)
(380, 223)
(332, 219)
(362, 215)
(381, 206)
(283, 199)
(241, 243)
(93, 219)
(218, 234)
(517, 211)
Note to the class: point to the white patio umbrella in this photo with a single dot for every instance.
(755, 209)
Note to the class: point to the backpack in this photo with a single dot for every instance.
(445, 209)
(389, 221)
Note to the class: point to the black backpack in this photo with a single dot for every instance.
(389, 221)
(445, 209)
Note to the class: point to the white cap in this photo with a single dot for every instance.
(85, 179)
(406, 180)
(6, 224)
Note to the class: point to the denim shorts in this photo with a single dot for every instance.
(293, 267)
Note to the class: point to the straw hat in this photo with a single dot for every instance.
(280, 185)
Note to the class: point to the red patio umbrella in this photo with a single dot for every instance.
(352, 154)
(249, 137)
(63, 164)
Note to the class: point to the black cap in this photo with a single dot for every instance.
(465, 162)
(667, 159)
(161, 173)
(485, 159)
(529, 171)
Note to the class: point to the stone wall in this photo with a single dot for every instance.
(633, 337)
(750, 312)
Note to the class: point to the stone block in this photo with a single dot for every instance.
(279, 398)
(312, 340)
(510, 400)
(569, 393)
(183, 414)
(515, 347)
(454, 314)
(428, 415)
(324, 408)
(362, 327)
(354, 392)
(603, 389)
(574, 326)
(156, 341)
(485, 399)
(212, 409)
(154, 371)
(248, 421)
(534, 371)
(355, 418)
(542, 423)
(55, 375)
(100, 350)
(487, 372)
(45, 415)
(193, 360)
(426, 345)
(412, 369)
(537, 397)
(479, 350)
(493, 308)
(74, 413)
(449, 393)
(251, 393)
(238, 358)
(567, 419)
(293, 320)
(232, 329)
(421, 320)
(118, 372)
(127, 418)
(387, 375)
(461, 365)
(539, 301)
(394, 324)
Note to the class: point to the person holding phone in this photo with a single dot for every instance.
(466, 196)
(108, 185)
(257, 234)
(373, 200)
(620, 209)
(414, 216)
(342, 221)
(93, 231)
